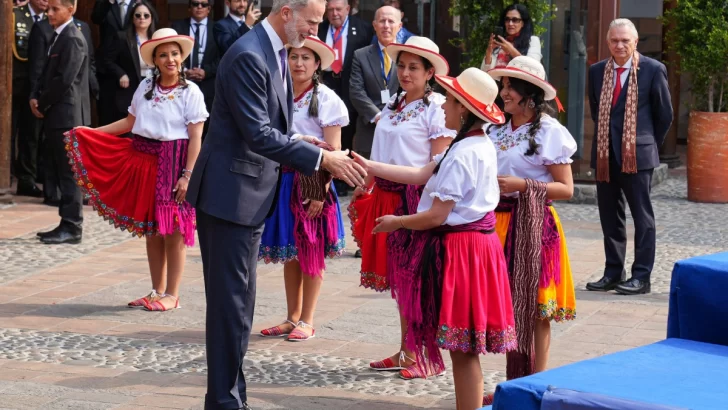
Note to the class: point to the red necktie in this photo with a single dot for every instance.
(618, 87)
(336, 66)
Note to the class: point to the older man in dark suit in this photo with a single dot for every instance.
(62, 100)
(632, 111)
(234, 182)
(240, 20)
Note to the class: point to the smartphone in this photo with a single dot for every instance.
(498, 31)
(256, 4)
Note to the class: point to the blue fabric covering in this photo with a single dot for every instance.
(673, 372)
(277, 243)
(699, 300)
(565, 399)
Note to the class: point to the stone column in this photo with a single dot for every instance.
(668, 151)
(6, 96)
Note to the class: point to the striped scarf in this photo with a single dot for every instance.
(525, 274)
(629, 132)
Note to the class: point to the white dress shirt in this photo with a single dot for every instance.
(33, 13)
(344, 39)
(202, 38)
(58, 31)
(625, 73)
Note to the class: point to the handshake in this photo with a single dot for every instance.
(348, 167)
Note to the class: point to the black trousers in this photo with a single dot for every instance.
(636, 189)
(28, 139)
(58, 170)
(229, 259)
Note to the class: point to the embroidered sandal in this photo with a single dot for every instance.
(276, 331)
(414, 372)
(157, 305)
(144, 301)
(389, 364)
(298, 335)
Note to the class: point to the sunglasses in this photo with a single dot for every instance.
(142, 16)
(199, 4)
(514, 20)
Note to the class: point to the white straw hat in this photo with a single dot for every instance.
(162, 36)
(526, 69)
(322, 50)
(423, 47)
(477, 91)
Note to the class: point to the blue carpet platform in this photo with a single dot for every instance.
(689, 370)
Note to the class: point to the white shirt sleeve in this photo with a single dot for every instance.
(454, 180)
(534, 48)
(138, 97)
(332, 110)
(557, 144)
(195, 110)
(436, 118)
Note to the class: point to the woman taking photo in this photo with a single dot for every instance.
(122, 58)
(302, 231)
(139, 184)
(534, 152)
(518, 40)
(463, 300)
(410, 130)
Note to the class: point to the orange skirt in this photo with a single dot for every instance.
(363, 214)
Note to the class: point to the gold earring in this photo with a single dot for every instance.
(462, 121)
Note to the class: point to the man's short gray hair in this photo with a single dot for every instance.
(624, 23)
(293, 4)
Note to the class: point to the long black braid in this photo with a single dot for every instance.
(428, 86)
(531, 94)
(470, 120)
(313, 109)
(182, 83)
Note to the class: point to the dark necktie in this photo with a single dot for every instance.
(53, 40)
(196, 48)
(36, 18)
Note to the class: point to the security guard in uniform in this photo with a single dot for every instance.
(25, 127)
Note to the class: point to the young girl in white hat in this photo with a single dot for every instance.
(534, 152)
(139, 184)
(410, 130)
(462, 297)
(303, 231)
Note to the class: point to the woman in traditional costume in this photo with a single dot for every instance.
(139, 184)
(461, 297)
(534, 152)
(410, 131)
(304, 229)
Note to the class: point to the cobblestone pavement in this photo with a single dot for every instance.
(68, 342)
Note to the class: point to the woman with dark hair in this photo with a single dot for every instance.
(305, 228)
(410, 130)
(139, 184)
(462, 301)
(122, 59)
(518, 41)
(534, 152)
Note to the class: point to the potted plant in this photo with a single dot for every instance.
(479, 18)
(698, 33)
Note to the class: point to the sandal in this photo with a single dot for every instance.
(488, 399)
(276, 331)
(144, 301)
(298, 335)
(388, 364)
(157, 305)
(414, 372)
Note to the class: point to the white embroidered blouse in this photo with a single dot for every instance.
(165, 117)
(469, 176)
(332, 113)
(556, 147)
(403, 137)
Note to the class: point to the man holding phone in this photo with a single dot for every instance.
(243, 14)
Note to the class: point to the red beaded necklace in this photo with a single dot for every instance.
(166, 89)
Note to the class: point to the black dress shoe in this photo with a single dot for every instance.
(46, 233)
(246, 407)
(633, 287)
(357, 254)
(29, 190)
(52, 202)
(604, 284)
(63, 235)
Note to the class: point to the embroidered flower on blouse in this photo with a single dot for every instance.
(505, 140)
(303, 102)
(408, 113)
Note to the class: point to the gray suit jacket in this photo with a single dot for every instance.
(365, 89)
(236, 175)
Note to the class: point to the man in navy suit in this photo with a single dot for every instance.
(234, 182)
(239, 21)
(622, 173)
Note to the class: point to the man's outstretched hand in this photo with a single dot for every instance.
(343, 167)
